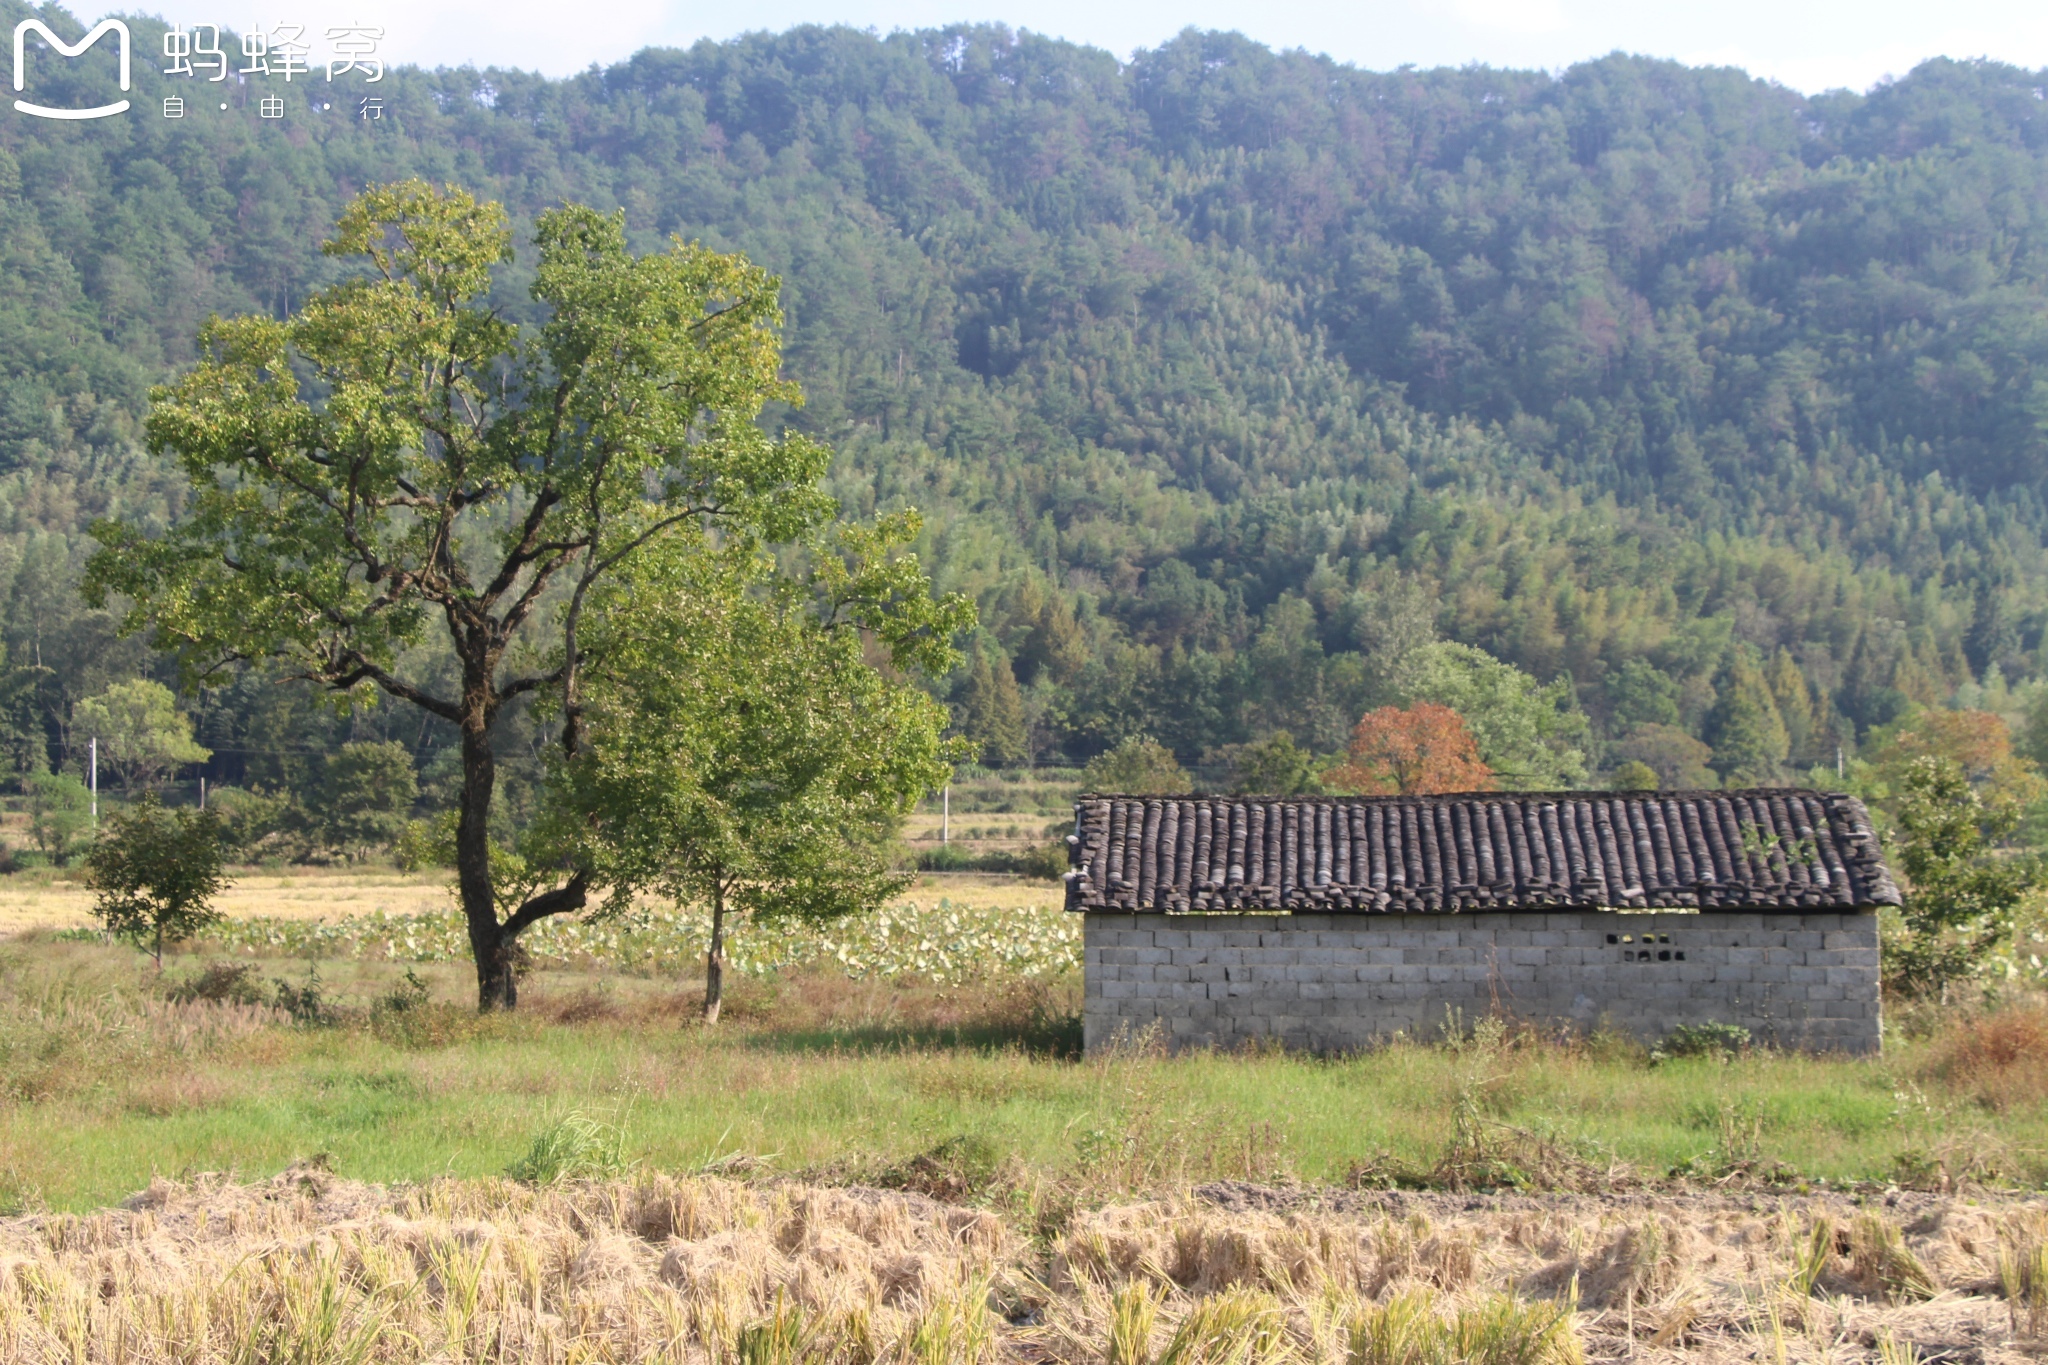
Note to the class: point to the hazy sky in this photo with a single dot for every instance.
(1807, 44)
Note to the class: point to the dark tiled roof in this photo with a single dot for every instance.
(1773, 849)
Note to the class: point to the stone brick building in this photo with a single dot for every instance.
(1330, 923)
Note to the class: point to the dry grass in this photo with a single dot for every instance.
(43, 900)
(2000, 1057)
(306, 1268)
(40, 900)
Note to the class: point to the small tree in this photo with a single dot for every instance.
(59, 809)
(366, 795)
(1678, 760)
(1275, 766)
(1137, 767)
(1425, 748)
(1959, 895)
(1634, 776)
(141, 732)
(743, 754)
(155, 872)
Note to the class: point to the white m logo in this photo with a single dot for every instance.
(64, 49)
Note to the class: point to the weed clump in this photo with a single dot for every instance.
(573, 1147)
(233, 983)
(407, 1016)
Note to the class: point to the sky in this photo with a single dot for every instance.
(1809, 45)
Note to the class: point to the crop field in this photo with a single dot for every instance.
(307, 1267)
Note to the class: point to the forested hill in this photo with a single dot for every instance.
(1224, 376)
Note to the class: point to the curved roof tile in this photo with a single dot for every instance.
(1764, 850)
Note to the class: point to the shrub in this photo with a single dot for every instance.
(1711, 1039)
(406, 1016)
(307, 1004)
(1999, 1058)
(59, 812)
(1044, 862)
(232, 983)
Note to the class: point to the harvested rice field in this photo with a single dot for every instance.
(307, 1267)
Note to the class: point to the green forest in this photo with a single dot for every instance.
(1242, 391)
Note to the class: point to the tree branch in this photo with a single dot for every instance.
(362, 670)
(531, 682)
(563, 900)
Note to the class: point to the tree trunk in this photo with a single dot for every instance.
(714, 961)
(488, 943)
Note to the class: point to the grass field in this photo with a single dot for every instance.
(946, 1045)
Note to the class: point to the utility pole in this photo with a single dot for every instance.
(95, 781)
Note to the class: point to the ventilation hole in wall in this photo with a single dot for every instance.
(1680, 954)
(1663, 938)
(1664, 955)
(1628, 938)
(1614, 938)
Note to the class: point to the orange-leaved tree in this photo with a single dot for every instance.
(1977, 742)
(1425, 748)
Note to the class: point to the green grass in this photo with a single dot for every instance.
(826, 1075)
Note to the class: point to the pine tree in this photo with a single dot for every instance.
(1056, 650)
(1745, 728)
(992, 709)
(1794, 702)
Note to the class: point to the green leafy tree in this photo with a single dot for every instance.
(1678, 761)
(1531, 734)
(1640, 692)
(1960, 894)
(743, 755)
(142, 735)
(59, 811)
(366, 795)
(1137, 767)
(1634, 776)
(154, 872)
(397, 457)
(1275, 766)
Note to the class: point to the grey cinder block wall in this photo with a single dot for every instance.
(1336, 983)
(1332, 923)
